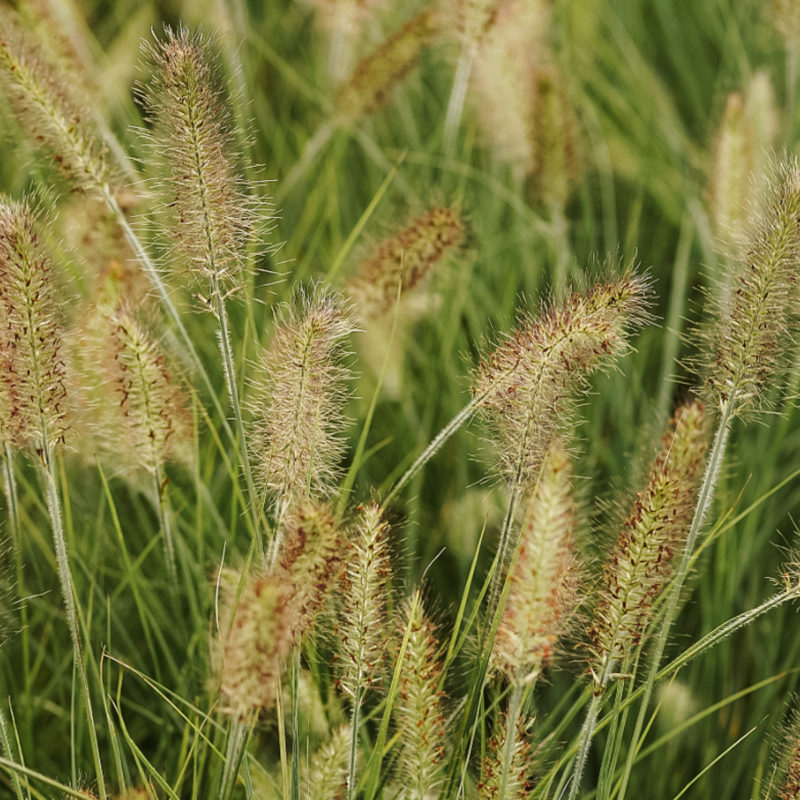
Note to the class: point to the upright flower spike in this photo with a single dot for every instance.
(326, 776)
(404, 260)
(378, 73)
(746, 341)
(33, 371)
(155, 417)
(310, 559)
(298, 407)
(418, 715)
(46, 107)
(529, 384)
(543, 593)
(651, 536)
(213, 217)
(507, 765)
(362, 625)
(256, 641)
(788, 767)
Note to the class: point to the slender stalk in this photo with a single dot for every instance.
(455, 105)
(512, 718)
(233, 394)
(584, 745)
(704, 499)
(5, 742)
(67, 591)
(354, 720)
(166, 527)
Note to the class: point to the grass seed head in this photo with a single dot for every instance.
(47, 108)
(516, 784)
(326, 775)
(404, 260)
(750, 335)
(213, 218)
(33, 369)
(298, 405)
(543, 593)
(651, 536)
(529, 384)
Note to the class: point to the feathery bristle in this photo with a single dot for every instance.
(298, 406)
(747, 338)
(154, 413)
(362, 626)
(554, 139)
(326, 776)
(402, 261)
(30, 337)
(543, 593)
(511, 782)
(418, 712)
(529, 384)
(213, 217)
(257, 636)
(653, 533)
(46, 107)
(377, 74)
(310, 559)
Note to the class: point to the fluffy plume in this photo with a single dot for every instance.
(746, 341)
(154, 412)
(402, 261)
(47, 108)
(378, 73)
(418, 711)
(257, 637)
(298, 406)
(543, 593)
(30, 337)
(528, 385)
(506, 775)
(213, 217)
(326, 776)
(362, 627)
(653, 533)
(310, 559)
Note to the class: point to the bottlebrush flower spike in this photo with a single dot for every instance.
(298, 406)
(788, 768)
(46, 107)
(653, 533)
(402, 261)
(155, 417)
(310, 559)
(326, 776)
(362, 626)
(33, 370)
(256, 639)
(543, 592)
(213, 217)
(746, 341)
(528, 385)
(418, 712)
(516, 785)
(378, 73)
(554, 139)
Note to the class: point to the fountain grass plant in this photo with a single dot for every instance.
(438, 501)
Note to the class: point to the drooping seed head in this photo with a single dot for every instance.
(529, 384)
(374, 77)
(751, 332)
(418, 713)
(298, 406)
(403, 261)
(33, 369)
(543, 594)
(362, 630)
(212, 218)
(653, 533)
(47, 107)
